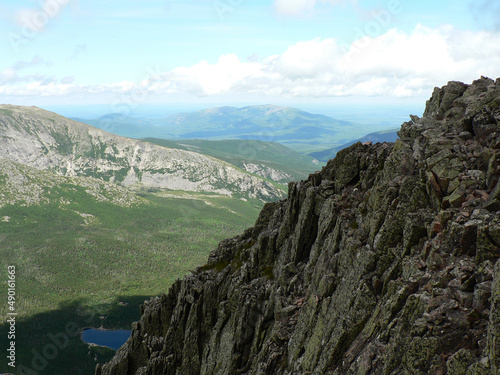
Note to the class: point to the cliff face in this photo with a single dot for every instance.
(382, 263)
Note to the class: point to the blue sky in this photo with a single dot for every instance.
(127, 53)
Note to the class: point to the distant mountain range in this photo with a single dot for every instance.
(125, 126)
(302, 131)
(244, 166)
(384, 136)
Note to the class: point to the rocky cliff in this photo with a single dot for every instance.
(385, 262)
(47, 141)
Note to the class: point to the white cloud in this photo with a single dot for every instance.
(80, 49)
(307, 59)
(36, 18)
(68, 80)
(11, 74)
(209, 79)
(293, 7)
(394, 64)
(227, 75)
(300, 7)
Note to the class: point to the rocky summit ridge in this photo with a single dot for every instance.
(385, 262)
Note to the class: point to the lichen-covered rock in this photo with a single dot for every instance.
(385, 262)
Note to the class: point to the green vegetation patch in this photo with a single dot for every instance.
(103, 258)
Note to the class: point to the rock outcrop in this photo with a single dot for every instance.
(47, 141)
(385, 262)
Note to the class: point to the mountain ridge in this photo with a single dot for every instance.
(385, 262)
(45, 140)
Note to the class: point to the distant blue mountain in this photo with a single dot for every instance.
(385, 136)
(125, 126)
(302, 131)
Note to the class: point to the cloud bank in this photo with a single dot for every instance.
(394, 64)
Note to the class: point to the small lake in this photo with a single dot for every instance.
(110, 338)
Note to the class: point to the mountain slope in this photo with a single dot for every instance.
(383, 136)
(267, 159)
(83, 244)
(385, 262)
(27, 186)
(45, 140)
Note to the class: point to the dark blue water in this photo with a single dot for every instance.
(112, 339)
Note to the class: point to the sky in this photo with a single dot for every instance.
(123, 54)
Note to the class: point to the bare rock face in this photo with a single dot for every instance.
(385, 262)
(47, 141)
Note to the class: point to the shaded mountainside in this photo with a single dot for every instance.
(382, 263)
(47, 141)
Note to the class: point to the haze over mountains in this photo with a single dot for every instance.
(302, 131)
(382, 136)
